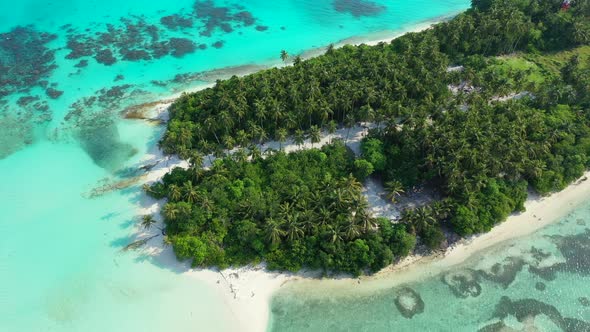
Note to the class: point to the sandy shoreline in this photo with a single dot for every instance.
(248, 291)
(372, 39)
(540, 212)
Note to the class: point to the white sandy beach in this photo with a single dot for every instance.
(248, 291)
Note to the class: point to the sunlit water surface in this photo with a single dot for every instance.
(539, 282)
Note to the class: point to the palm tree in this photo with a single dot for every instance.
(284, 56)
(423, 217)
(206, 204)
(299, 137)
(274, 231)
(170, 211)
(441, 209)
(352, 228)
(341, 198)
(418, 218)
(285, 209)
(148, 189)
(228, 142)
(147, 221)
(394, 189)
(167, 241)
(349, 123)
(241, 155)
(242, 138)
(190, 192)
(196, 159)
(324, 216)
(294, 231)
(308, 221)
(336, 232)
(260, 111)
(352, 185)
(367, 222)
(255, 152)
(213, 125)
(226, 120)
(332, 126)
(261, 135)
(174, 192)
(281, 136)
(315, 135)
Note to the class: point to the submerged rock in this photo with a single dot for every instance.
(358, 8)
(504, 273)
(526, 309)
(463, 283)
(547, 273)
(25, 59)
(409, 303)
(53, 93)
(176, 21)
(576, 250)
(214, 17)
(182, 46)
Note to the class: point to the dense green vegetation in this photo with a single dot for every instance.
(291, 210)
(365, 83)
(479, 151)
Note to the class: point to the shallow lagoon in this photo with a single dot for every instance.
(539, 281)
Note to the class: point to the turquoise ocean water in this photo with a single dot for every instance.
(67, 70)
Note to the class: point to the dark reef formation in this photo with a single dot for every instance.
(176, 21)
(25, 59)
(408, 302)
(358, 8)
(53, 93)
(133, 40)
(576, 251)
(505, 272)
(26, 62)
(221, 18)
(463, 283)
(137, 40)
(529, 308)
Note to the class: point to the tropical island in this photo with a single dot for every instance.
(479, 110)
